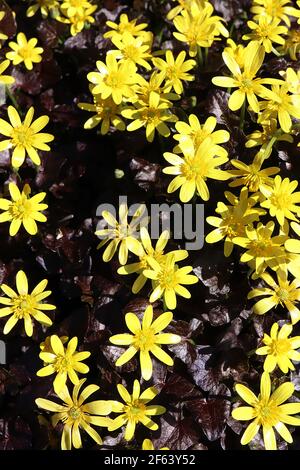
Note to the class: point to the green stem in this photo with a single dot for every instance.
(205, 55)
(200, 57)
(16, 172)
(276, 52)
(242, 116)
(12, 98)
(231, 29)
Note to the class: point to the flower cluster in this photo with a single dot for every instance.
(262, 218)
(120, 91)
(135, 86)
(76, 13)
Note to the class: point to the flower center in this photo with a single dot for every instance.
(283, 294)
(262, 248)
(135, 411)
(281, 200)
(267, 412)
(25, 52)
(233, 227)
(20, 209)
(105, 111)
(123, 230)
(112, 80)
(21, 135)
(167, 277)
(245, 84)
(131, 52)
(253, 179)
(62, 363)
(192, 169)
(74, 413)
(172, 72)
(280, 346)
(144, 339)
(151, 116)
(264, 31)
(23, 305)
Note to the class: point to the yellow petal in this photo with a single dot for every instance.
(22, 283)
(246, 394)
(269, 438)
(250, 433)
(244, 413)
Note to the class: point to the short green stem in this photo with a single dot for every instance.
(12, 98)
(200, 57)
(276, 52)
(242, 116)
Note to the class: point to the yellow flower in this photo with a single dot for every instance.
(113, 79)
(266, 32)
(263, 250)
(267, 410)
(196, 133)
(25, 51)
(280, 349)
(251, 175)
(184, 5)
(192, 171)
(132, 50)
(152, 115)
(22, 210)
(144, 88)
(64, 362)
(24, 306)
(236, 51)
(284, 293)
(46, 7)
(5, 79)
(281, 199)
(108, 113)
(45, 346)
(147, 338)
(167, 279)
(292, 78)
(273, 9)
(147, 445)
(124, 25)
(282, 105)
(233, 220)
(267, 137)
(79, 20)
(74, 7)
(195, 28)
(174, 71)
(120, 233)
(292, 44)
(24, 136)
(146, 251)
(76, 415)
(245, 79)
(135, 410)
